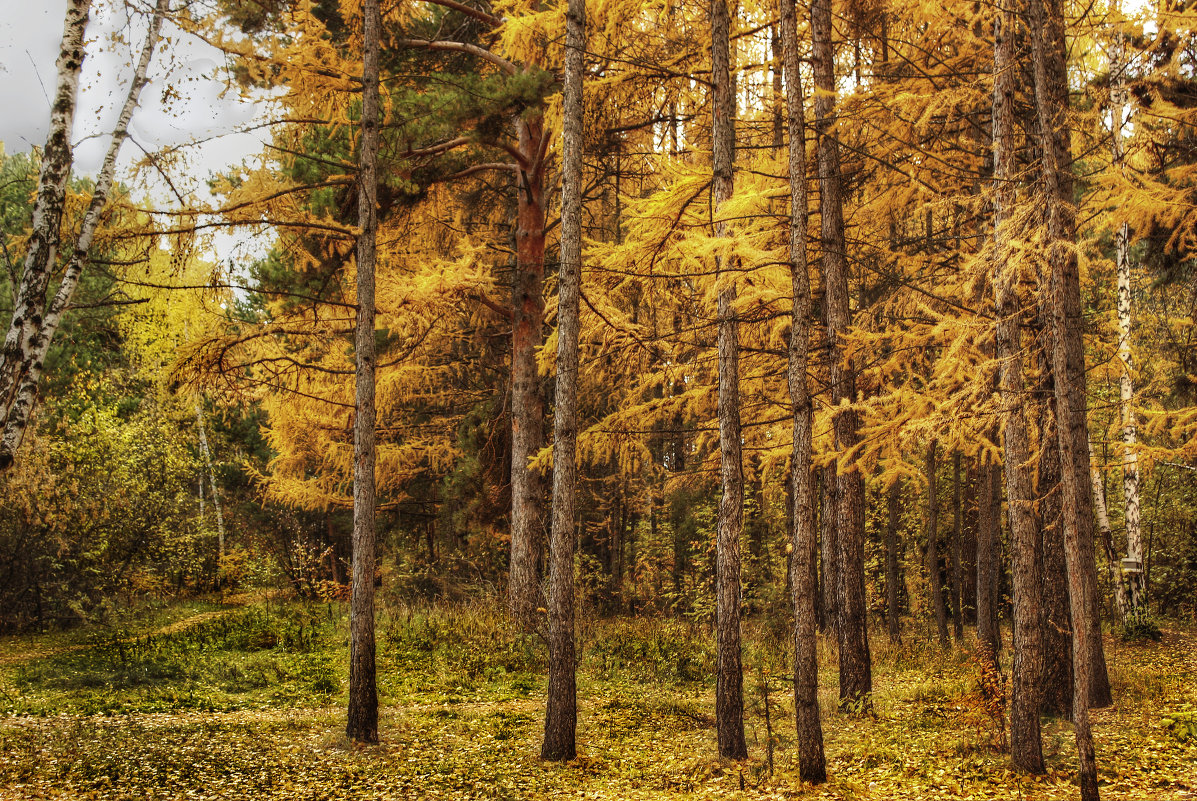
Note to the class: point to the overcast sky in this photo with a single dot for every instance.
(30, 34)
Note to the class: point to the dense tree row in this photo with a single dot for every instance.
(841, 312)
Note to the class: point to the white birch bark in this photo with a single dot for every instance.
(19, 380)
(1132, 580)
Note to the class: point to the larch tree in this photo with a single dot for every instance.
(729, 672)
(812, 764)
(1068, 359)
(561, 714)
(362, 723)
(1026, 745)
(856, 675)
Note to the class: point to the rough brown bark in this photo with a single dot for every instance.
(527, 403)
(856, 679)
(1056, 686)
(1026, 746)
(829, 548)
(1068, 358)
(957, 551)
(561, 709)
(362, 724)
(892, 618)
(989, 512)
(936, 580)
(812, 764)
(729, 675)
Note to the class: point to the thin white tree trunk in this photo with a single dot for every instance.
(1133, 578)
(40, 258)
(32, 348)
(207, 453)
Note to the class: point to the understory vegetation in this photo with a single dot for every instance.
(245, 700)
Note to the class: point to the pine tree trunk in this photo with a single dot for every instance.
(892, 618)
(561, 711)
(729, 676)
(856, 680)
(1068, 358)
(527, 404)
(362, 725)
(1026, 745)
(936, 581)
(812, 764)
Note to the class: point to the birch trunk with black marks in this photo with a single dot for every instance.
(34, 322)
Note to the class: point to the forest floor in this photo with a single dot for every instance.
(209, 701)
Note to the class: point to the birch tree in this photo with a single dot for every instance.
(36, 315)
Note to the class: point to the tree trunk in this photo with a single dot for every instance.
(812, 764)
(1131, 581)
(1068, 352)
(1026, 746)
(856, 680)
(561, 711)
(729, 676)
(892, 618)
(936, 581)
(527, 405)
(207, 454)
(1055, 691)
(989, 514)
(1068, 358)
(829, 557)
(34, 324)
(362, 723)
(957, 551)
(1121, 593)
(20, 342)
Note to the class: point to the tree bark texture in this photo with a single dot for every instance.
(893, 508)
(561, 711)
(957, 551)
(1068, 351)
(362, 725)
(812, 763)
(1055, 692)
(1068, 358)
(1026, 746)
(527, 403)
(729, 676)
(935, 581)
(34, 323)
(829, 556)
(856, 680)
(989, 515)
(1132, 594)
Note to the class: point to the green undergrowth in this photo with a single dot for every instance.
(247, 702)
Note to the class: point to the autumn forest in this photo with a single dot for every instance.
(606, 399)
